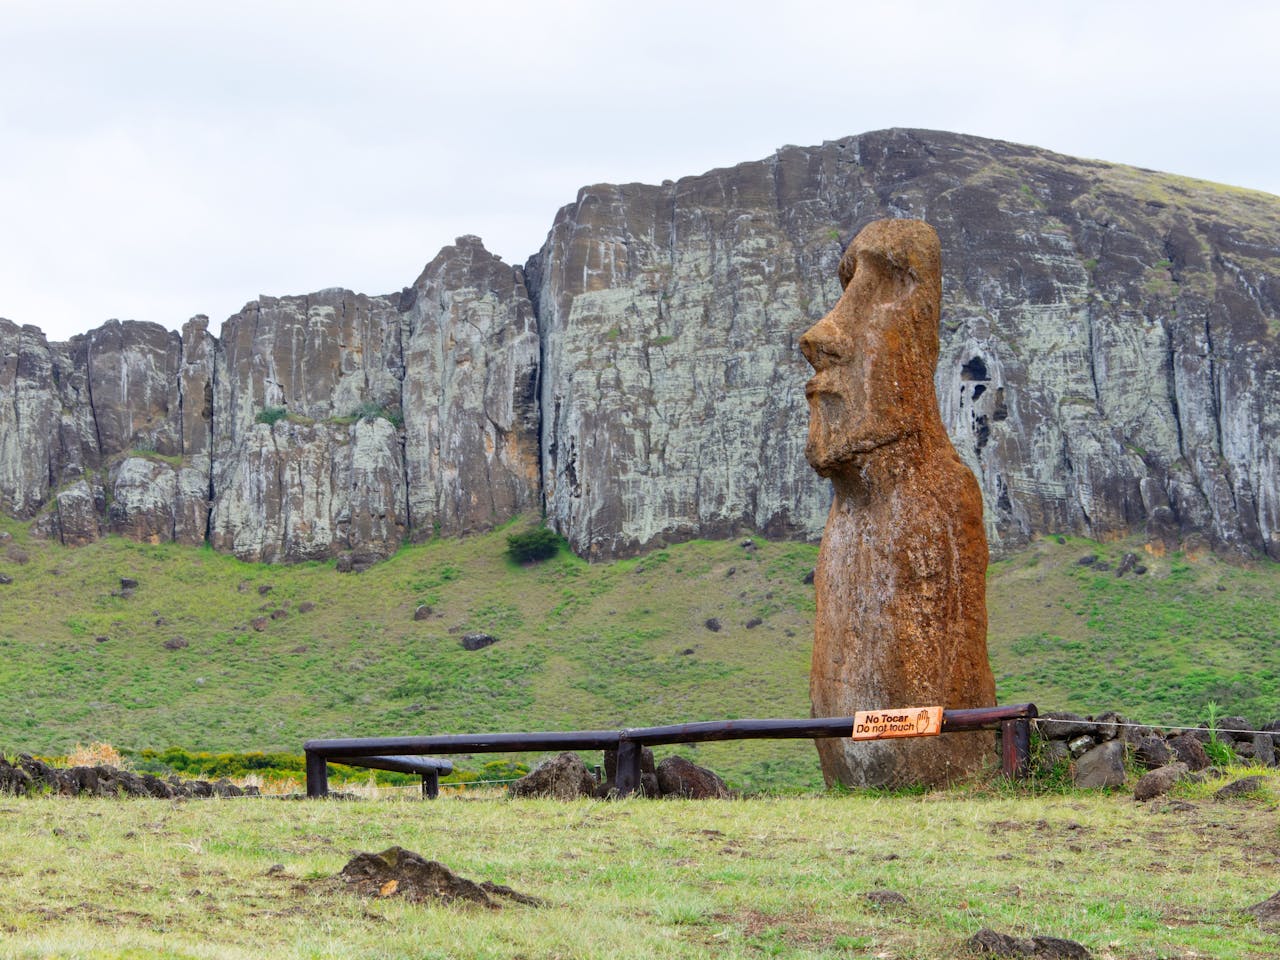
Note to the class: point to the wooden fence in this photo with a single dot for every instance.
(407, 754)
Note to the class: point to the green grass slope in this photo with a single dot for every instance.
(580, 646)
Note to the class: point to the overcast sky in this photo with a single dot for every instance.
(159, 160)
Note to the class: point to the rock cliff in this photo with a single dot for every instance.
(1109, 342)
(1110, 362)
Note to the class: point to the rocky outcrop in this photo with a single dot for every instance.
(471, 414)
(31, 776)
(1109, 342)
(316, 425)
(1109, 363)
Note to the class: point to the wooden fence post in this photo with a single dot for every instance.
(317, 775)
(1015, 747)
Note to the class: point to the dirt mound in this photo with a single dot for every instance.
(397, 872)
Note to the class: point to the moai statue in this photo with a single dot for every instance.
(901, 578)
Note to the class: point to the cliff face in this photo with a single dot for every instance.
(1109, 342)
(1110, 362)
(316, 425)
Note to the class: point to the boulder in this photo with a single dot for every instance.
(1152, 752)
(1078, 746)
(1155, 783)
(680, 777)
(1107, 726)
(1264, 751)
(1063, 725)
(478, 641)
(1189, 750)
(1235, 728)
(1241, 788)
(987, 942)
(1103, 766)
(563, 777)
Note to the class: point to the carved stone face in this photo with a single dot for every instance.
(873, 354)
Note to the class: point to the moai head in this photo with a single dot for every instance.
(874, 354)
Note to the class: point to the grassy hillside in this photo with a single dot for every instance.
(179, 661)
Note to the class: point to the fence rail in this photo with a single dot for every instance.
(405, 754)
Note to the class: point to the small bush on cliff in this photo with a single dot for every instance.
(535, 545)
(270, 415)
(371, 410)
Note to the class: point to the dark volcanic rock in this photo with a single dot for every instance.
(1153, 752)
(1063, 725)
(478, 641)
(1189, 751)
(679, 777)
(989, 943)
(1158, 782)
(1103, 766)
(1240, 788)
(563, 777)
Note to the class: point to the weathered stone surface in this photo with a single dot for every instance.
(470, 398)
(1108, 363)
(680, 777)
(302, 490)
(988, 942)
(1156, 783)
(478, 641)
(1103, 766)
(563, 777)
(1264, 751)
(901, 592)
(1063, 725)
(1240, 788)
(76, 517)
(1153, 752)
(1190, 751)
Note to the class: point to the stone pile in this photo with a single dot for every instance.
(567, 777)
(32, 776)
(1097, 747)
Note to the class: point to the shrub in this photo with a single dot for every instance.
(270, 415)
(533, 546)
(371, 410)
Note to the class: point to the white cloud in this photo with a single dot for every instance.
(160, 159)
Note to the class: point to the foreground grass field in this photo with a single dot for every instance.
(782, 877)
(209, 653)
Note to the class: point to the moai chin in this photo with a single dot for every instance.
(901, 579)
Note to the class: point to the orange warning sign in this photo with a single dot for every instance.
(897, 722)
